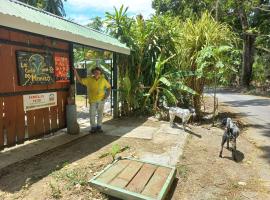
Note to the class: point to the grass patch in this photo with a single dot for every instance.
(72, 177)
(114, 151)
(182, 171)
(55, 190)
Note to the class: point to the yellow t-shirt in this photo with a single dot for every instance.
(95, 88)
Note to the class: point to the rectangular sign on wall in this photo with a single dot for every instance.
(62, 69)
(35, 68)
(37, 101)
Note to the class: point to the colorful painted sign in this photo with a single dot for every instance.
(62, 70)
(37, 101)
(35, 68)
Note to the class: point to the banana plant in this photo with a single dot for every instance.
(164, 83)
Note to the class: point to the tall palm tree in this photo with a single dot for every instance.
(56, 7)
(53, 6)
(35, 3)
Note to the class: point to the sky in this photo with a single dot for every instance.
(81, 11)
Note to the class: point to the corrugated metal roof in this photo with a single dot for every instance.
(20, 16)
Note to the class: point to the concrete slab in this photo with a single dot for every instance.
(174, 138)
(141, 132)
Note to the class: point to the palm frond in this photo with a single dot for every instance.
(171, 98)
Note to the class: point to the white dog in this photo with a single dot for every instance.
(184, 114)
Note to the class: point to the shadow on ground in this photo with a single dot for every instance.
(187, 130)
(252, 102)
(266, 152)
(239, 156)
(14, 177)
(172, 189)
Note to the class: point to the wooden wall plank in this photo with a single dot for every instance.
(19, 37)
(61, 104)
(53, 118)
(10, 116)
(64, 103)
(54, 43)
(31, 123)
(139, 182)
(60, 110)
(46, 118)
(20, 119)
(4, 34)
(37, 40)
(1, 124)
(39, 125)
(7, 69)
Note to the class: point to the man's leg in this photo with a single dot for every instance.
(100, 109)
(93, 112)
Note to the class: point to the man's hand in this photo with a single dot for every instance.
(74, 70)
(76, 75)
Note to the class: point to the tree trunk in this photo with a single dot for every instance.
(248, 59)
(248, 45)
(197, 106)
(198, 87)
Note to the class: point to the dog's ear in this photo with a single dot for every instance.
(224, 122)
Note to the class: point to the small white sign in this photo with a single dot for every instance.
(37, 101)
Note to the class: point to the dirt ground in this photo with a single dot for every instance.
(63, 172)
(203, 175)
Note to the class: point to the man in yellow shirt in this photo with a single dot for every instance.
(98, 89)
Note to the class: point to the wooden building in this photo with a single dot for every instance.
(36, 53)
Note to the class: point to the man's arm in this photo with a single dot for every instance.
(108, 92)
(108, 89)
(77, 76)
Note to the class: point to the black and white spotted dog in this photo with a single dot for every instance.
(182, 113)
(230, 134)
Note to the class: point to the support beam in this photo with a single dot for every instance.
(71, 63)
(115, 87)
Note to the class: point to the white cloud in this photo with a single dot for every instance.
(143, 7)
(80, 19)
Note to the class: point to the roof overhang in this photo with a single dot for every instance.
(24, 25)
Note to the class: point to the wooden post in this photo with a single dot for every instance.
(71, 63)
(115, 87)
(111, 80)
